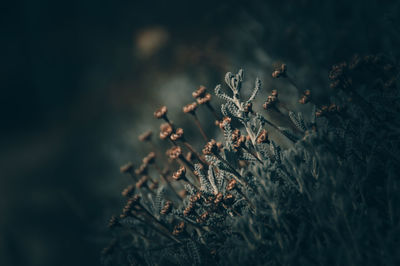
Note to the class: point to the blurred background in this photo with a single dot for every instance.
(80, 81)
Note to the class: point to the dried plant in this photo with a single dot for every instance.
(332, 198)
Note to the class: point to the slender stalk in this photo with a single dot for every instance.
(209, 106)
(197, 122)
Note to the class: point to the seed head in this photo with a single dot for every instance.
(175, 152)
(142, 181)
(114, 222)
(280, 71)
(218, 198)
(263, 137)
(203, 217)
(249, 108)
(177, 135)
(161, 112)
(229, 199)
(199, 92)
(149, 159)
(142, 170)
(204, 100)
(190, 108)
(210, 148)
(128, 191)
(189, 209)
(167, 208)
(165, 130)
(179, 228)
(231, 185)
(180, 174)
(127, 168)
(146, 136)
(195, 198)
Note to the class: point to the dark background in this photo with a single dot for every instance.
(78, 79)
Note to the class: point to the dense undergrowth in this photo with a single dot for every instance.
(330, 198)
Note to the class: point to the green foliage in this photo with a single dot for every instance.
(331, 199)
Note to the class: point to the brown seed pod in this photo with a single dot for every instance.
(229, 199)
(179, 228)
(271, 100)
(231, 185)
(190, 108)
(146, 136)
(218, 198)
(195, 198)
(161, 112)
(127, 168)
(142, 170)
(203, 217)
(189, 209)
(149, 159)
(175, 152)
(142, 181)
(180, 174)
(280, 71)
(200, 92)
(248, 108)
(167, 208)
(204, 100)
(165, 130)
(305, 98)
(177, 135)
(210, 148)
(128, 191)
(263, 137)
(131, 204)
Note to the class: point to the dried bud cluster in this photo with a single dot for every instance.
(203, 217)
(331, 109)
(131, 204)
(180, 174)
(199, 93)
(190, 108)
(271, 100)
(195, 198)
(127, 168)
(280, 71)
(231, 185)
(150, 158)
(178, 135)
(210, 148)
(175, 152)
(114, 222)
(161, 112)
(167, 208)
(305, 98)
(204, 100)
(189, 209)
(142, 170)
(249, 108)
(225, 120)
(146, 136)
(263, 137)
(142, 181)
(178, 229)
(165, 130)
(128, 191)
